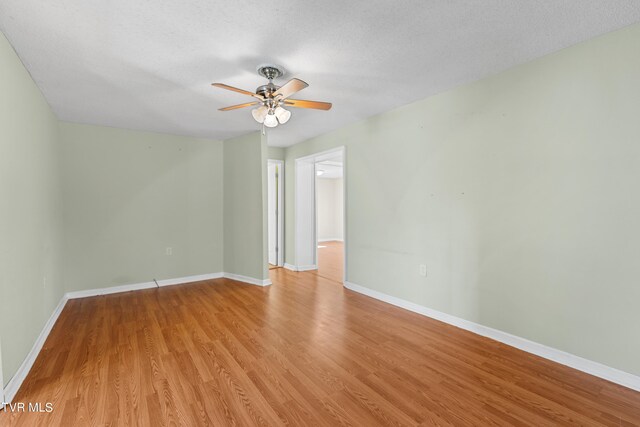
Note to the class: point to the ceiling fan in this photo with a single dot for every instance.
(272, 99)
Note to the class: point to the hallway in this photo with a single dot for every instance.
(331, 260)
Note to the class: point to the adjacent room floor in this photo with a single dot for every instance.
(331, 260)
(300, 352)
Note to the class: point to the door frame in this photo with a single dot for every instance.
(279, 211)
(315, 158)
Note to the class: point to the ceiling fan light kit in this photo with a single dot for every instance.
(282, 115)
(272, 98)
(270, 121)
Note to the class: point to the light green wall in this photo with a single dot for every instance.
(275, 153)
(245, 231)
(119, 198)
(520, 194)
(129, 195)
(517, 191)
(30, 211)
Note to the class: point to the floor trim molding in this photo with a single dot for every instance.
(300, 267)
(165, 282)
(111, 290)
(290, 267)
(190, 279)
(2, 396)
(143, 285)
(576, 362)
(16, 381)
(331, 239)
(247, 279)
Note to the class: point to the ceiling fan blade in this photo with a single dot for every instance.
(235, 107)
(289, 88)
(235, 89)
(299, 103)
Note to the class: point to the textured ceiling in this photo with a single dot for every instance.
(144, 64)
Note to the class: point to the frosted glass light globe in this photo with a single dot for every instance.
(282, 115)
(271, 121)
(260, 113)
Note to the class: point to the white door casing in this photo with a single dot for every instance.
(272, 198)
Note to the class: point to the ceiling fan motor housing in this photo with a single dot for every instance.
(267, 90)
(269, 71)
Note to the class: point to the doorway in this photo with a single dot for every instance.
(320, 214)
(275, 225)
(330, 218)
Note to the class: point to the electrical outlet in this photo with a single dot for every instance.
(423, 270)
(169, 251)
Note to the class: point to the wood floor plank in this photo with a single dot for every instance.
(331, 260)
(304, 351)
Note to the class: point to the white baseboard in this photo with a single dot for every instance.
(576, 362)
(331, 239)
(1, 377)
(16, 381)
(14, 384)
(246, 279)
(300, 267)
(164, 282)
(112, 290)
(190, 279)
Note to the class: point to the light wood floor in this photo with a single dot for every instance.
(331, 261)
(301, 352)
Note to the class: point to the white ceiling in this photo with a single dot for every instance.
(145, 64)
